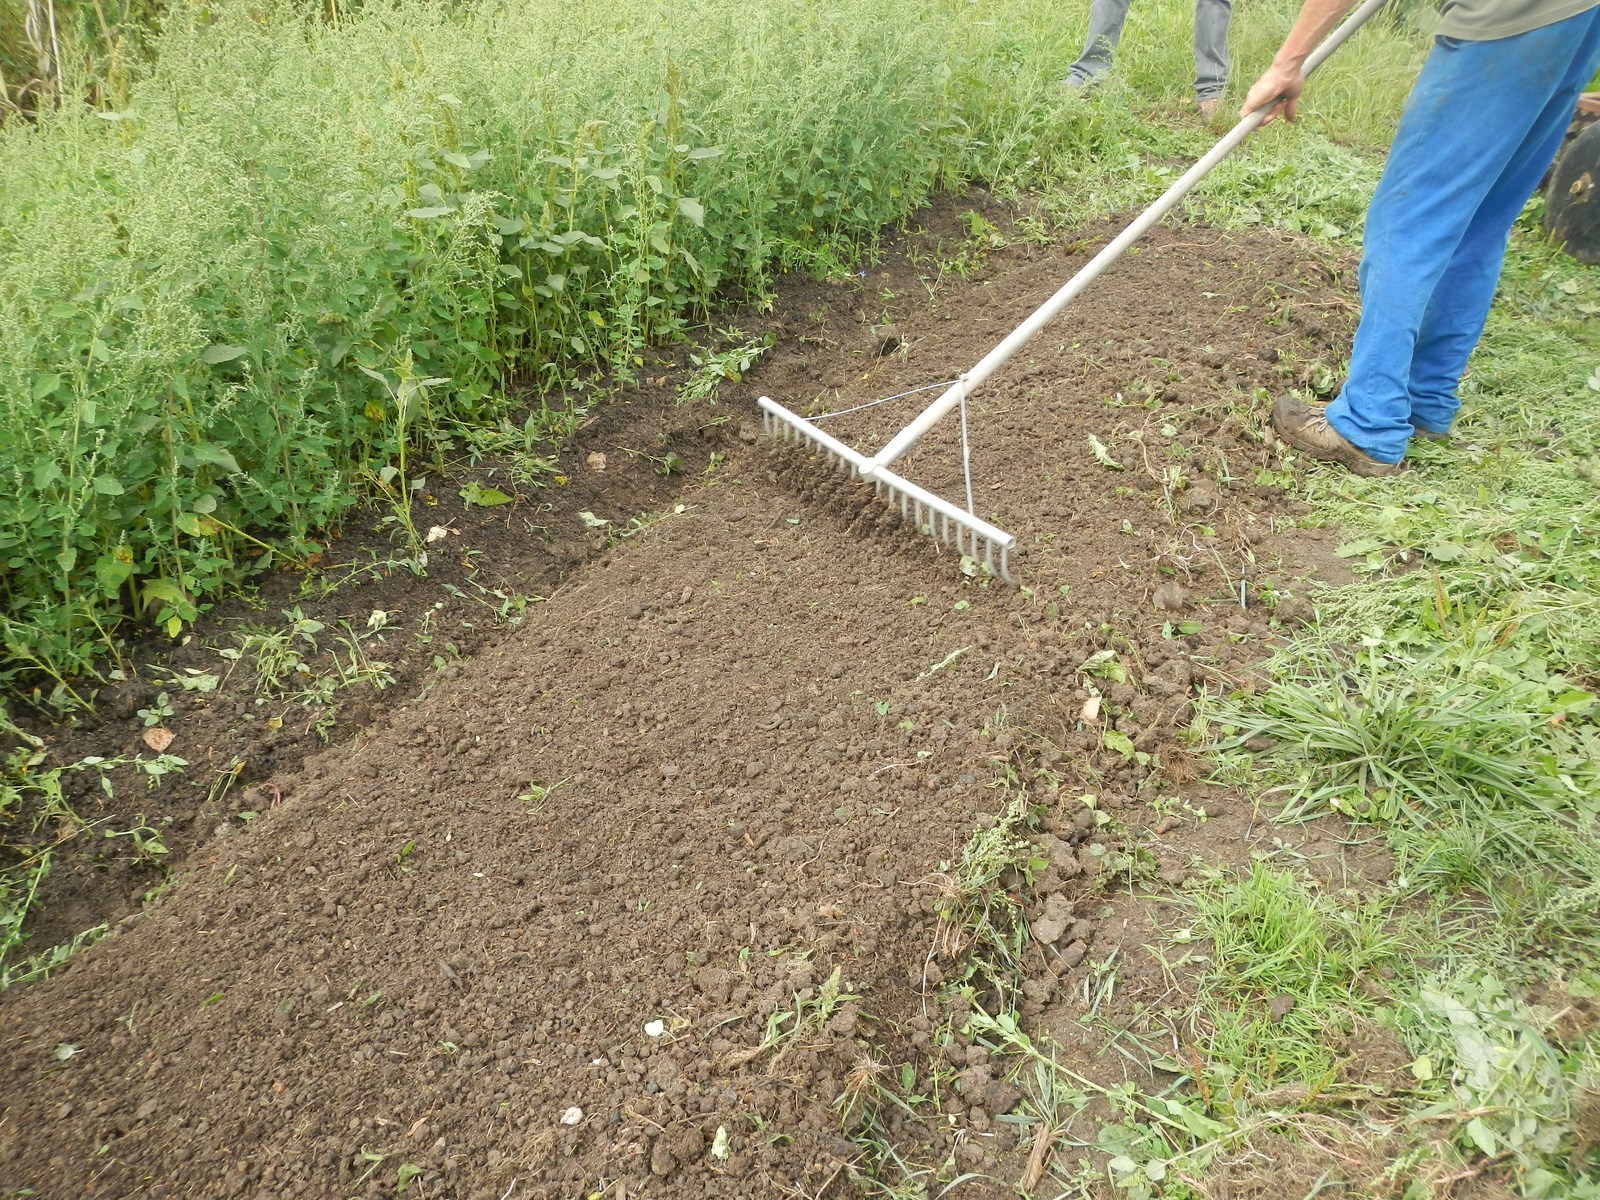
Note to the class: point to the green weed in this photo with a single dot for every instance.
(712, 367)
(982, 929)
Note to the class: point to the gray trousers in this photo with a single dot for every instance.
(1211, 17)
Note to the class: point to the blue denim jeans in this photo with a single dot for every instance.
(1106, 18)
(1479, 128)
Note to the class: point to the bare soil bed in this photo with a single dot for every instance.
(525, 927)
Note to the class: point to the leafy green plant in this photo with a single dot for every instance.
(149, 847)
(158, 711)
(229, 297)
(277, 656)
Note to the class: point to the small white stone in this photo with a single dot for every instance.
(572, 1116)
(655, 1028)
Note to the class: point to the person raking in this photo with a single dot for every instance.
(1481, 124)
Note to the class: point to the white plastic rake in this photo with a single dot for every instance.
(948, 523)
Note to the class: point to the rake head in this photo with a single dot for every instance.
(932, 515)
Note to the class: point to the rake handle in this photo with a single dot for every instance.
(1047, 312)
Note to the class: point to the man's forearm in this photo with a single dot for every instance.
(1316, 20)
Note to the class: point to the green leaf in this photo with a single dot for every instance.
(1120, 742)
(107, 485)
(693, 210)
(1483, 1137)
(222, 353)
(1102, 455)
(111, 571)
(209, 452)
(45, 385)
(1197, 1123)
(483, 497)
(1103, 664)
(1357, 548)
(188, 523)
(424, 214)
(165, 590)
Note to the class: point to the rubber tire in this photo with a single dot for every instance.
(1572, 200)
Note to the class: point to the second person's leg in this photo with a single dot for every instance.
(1106, 19)
(1211, 18)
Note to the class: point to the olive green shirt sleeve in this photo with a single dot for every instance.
(1491, 20)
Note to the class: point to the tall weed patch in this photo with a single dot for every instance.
(212, 301)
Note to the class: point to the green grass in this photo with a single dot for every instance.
(1275, 938)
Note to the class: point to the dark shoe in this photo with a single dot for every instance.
(1208, 110)
(1307, 430)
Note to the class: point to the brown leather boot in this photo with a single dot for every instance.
(1307, 430)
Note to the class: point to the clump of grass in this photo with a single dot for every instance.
(982, 928)
(1486, 778)
(1287, 968)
